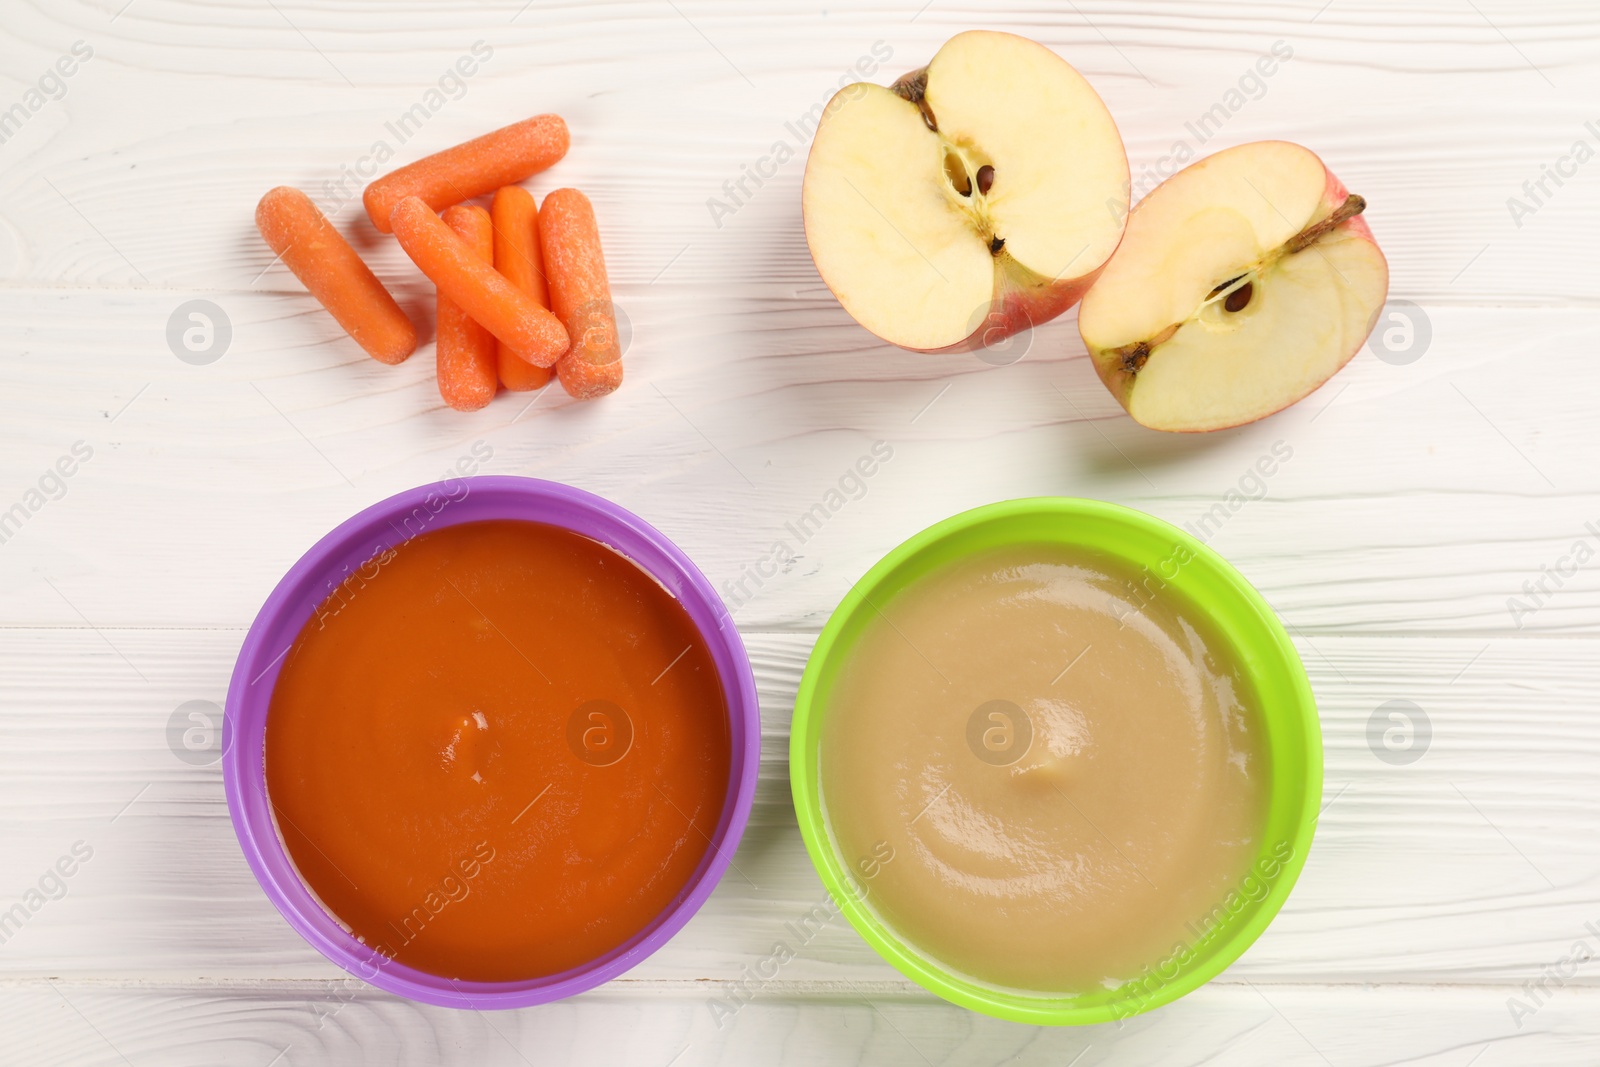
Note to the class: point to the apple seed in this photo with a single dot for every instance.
(1134, 356)
(985, 179)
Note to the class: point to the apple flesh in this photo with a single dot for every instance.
(977, 197)
(1243, 283)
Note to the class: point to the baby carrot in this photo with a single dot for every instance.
(517, 256)
(335, 275)
(580, 295)
(479, 166)
(466, 359)
(500, 307)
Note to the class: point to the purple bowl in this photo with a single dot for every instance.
(385, 525)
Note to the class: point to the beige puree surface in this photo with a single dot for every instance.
(1074, 858)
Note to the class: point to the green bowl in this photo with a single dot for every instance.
(1241, 617)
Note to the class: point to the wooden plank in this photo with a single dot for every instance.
(295, 1024)
(1418, 498)
(146, 171)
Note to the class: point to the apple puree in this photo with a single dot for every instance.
(1067, 764)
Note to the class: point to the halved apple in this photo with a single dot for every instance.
(1243, 283)
(977, 197)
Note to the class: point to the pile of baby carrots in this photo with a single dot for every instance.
(521, 289)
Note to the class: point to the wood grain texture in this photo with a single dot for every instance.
(1414, 542)
(228, 100)
(1418, 499)
(1250, 1025)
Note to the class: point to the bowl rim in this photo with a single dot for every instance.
(1019, 1006)
(454, 501)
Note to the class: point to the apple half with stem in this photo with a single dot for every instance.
(974, 198)
(1243, 283)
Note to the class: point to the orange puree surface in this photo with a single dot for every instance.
(496, 751)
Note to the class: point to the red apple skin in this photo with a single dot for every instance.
(1020, 304)
(1334, 193)
(1021, 301)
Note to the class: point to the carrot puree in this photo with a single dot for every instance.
(496, 751)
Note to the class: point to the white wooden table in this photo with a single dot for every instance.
(1422, 502)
